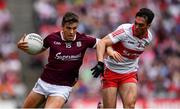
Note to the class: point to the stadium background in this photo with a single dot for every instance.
(159, 73)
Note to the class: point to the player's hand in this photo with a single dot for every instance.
(22, 44)
(98, 69)
(116, 56)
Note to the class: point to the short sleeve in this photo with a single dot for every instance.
(117, 35)
(46, 43)
(91, 41)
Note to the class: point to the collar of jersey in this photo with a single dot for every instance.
(62, 36)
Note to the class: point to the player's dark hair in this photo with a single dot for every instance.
(70, 17)
(146, 13)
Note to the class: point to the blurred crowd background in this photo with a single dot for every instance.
(159, 72)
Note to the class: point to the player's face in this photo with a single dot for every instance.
(141, 26)
(69, 31)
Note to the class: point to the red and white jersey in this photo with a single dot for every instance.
(129, 46)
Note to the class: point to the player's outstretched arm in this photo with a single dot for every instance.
(100, 49)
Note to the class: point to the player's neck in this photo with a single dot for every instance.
(63, 37)
(142, 35)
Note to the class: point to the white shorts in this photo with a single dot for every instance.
(47, 89)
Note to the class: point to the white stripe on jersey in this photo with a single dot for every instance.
(129, 46)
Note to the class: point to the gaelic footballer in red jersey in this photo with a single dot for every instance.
(66, 52)
(124, 46)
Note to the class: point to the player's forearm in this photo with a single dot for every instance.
(109, 50)
(100, 50)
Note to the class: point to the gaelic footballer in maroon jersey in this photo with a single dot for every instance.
(65, 58)
(66, 51)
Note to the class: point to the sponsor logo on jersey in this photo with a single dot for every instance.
(140, 44)
(131, 42)
(130, 54)
(59, 56)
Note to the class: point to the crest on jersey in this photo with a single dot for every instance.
(78, 44)
(140, 44)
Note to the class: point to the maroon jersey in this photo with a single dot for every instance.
(65, 58)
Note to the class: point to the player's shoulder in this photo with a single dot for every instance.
(123, 29)
(84, 36)
(78, 34)
(53, 35)
(125, 26)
